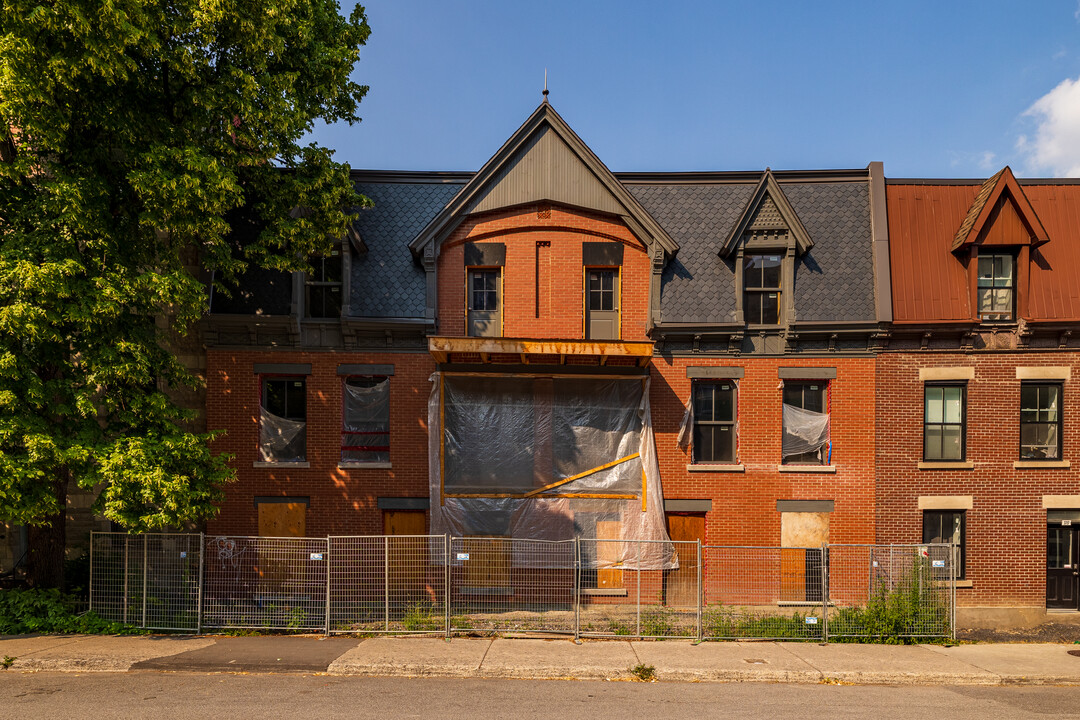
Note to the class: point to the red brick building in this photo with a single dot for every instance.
(976, 424)
(545, 348)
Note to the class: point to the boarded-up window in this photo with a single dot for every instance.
(365, 432)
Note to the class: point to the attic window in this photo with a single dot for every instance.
(996, 285)
(761, 289)
(323, 286)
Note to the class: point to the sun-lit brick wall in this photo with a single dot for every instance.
(744, 503)
(342, 501)
(1006, 525)
(562, 278)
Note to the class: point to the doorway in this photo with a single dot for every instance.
(681, 585)
(1062, 569)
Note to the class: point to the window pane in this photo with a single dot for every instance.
(725, 403)
(986, 267)
(770, 270)
(932, 442)
(934, 405)
(770, 308)
(953, 406)
(951, 445)
(752, 272)
(1003, 301)
(752, 307)
(1053, 394)
(274, 397)
(1003, 270)
(703, 402)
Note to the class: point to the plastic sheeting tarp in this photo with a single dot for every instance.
(527, 451)
(366, 435)
(805, 431)
(280, 439)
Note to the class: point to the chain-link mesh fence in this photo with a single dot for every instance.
(591, 587)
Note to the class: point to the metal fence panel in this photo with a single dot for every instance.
(388, 584)
(502, 584)
(763, 593)
(891, 590)
(261, 582)
(623, 593)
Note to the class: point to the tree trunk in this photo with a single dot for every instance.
(48, 541)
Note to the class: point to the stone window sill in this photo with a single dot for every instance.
(604, 592)
(708, 467)
(280, 465)
(946, 465)
(964, 584)
(365, 465)
(1040, 464)
(806, 468)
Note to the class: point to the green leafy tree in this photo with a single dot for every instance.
(130, 130)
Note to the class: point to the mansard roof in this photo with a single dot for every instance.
(544, 161)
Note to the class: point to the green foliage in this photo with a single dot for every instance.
(723, 621)
(7, 662)
(50, 611)
(643, 672)
(422, 616)
(902, 613)
(131, 132)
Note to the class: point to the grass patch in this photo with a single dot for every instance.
(643, 672)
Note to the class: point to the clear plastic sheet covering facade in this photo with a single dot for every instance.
(281, 440)
(547, 458)
(366, 435)
(805, 431)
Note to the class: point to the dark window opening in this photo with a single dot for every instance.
(806, 424)
(714, 422)
(1040, 421)
(996, 287)
(943, 422)
(948, 526)
(761, 289)
(283, 420)
(323, 287)
(602, 304)
(484, 317)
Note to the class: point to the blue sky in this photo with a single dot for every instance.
(933, 89)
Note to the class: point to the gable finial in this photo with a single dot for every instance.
(545, 85)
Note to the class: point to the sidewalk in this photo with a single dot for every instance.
(789, 662)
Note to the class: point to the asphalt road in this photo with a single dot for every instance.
(178, 696)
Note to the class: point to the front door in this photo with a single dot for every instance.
(1062, 570)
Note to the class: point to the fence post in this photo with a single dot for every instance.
(199, 595)
(446, 580)
(92, 534)
(700, 593)
(954, 556)
(825, 592)
(144, 574)
(577, 588)
(127, 540)
(328, 561)
(638, 603)
(386, 582)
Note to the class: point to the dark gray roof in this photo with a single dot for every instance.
(385, 280)
(833, 282)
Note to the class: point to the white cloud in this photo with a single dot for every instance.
(1054, 145)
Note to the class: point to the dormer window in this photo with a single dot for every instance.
(761, 289)
(996, 287)
(323, 286)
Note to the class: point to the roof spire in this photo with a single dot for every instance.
(545, 85)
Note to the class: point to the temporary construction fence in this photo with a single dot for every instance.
(436, 584)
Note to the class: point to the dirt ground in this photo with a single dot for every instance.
(1045, 633)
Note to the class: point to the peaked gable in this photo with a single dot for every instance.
(1000, 199)
(545, 161)
(767, 209)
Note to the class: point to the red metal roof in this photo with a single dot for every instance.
(930, 283)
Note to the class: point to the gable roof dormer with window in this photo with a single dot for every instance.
(988, 264)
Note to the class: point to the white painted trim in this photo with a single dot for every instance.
(946, 373)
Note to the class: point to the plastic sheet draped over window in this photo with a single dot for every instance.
(281, 440)
(526, 457)
(366, 433)
(805, 431)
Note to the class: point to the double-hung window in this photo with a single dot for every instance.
(485, 318)
(761, 289)
(365, 431)
(806, 424)
(283, 420)
(714, 422)
(1040, 421)
(943, 422)
(322, 287)
(948, 526)
(996, 287)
